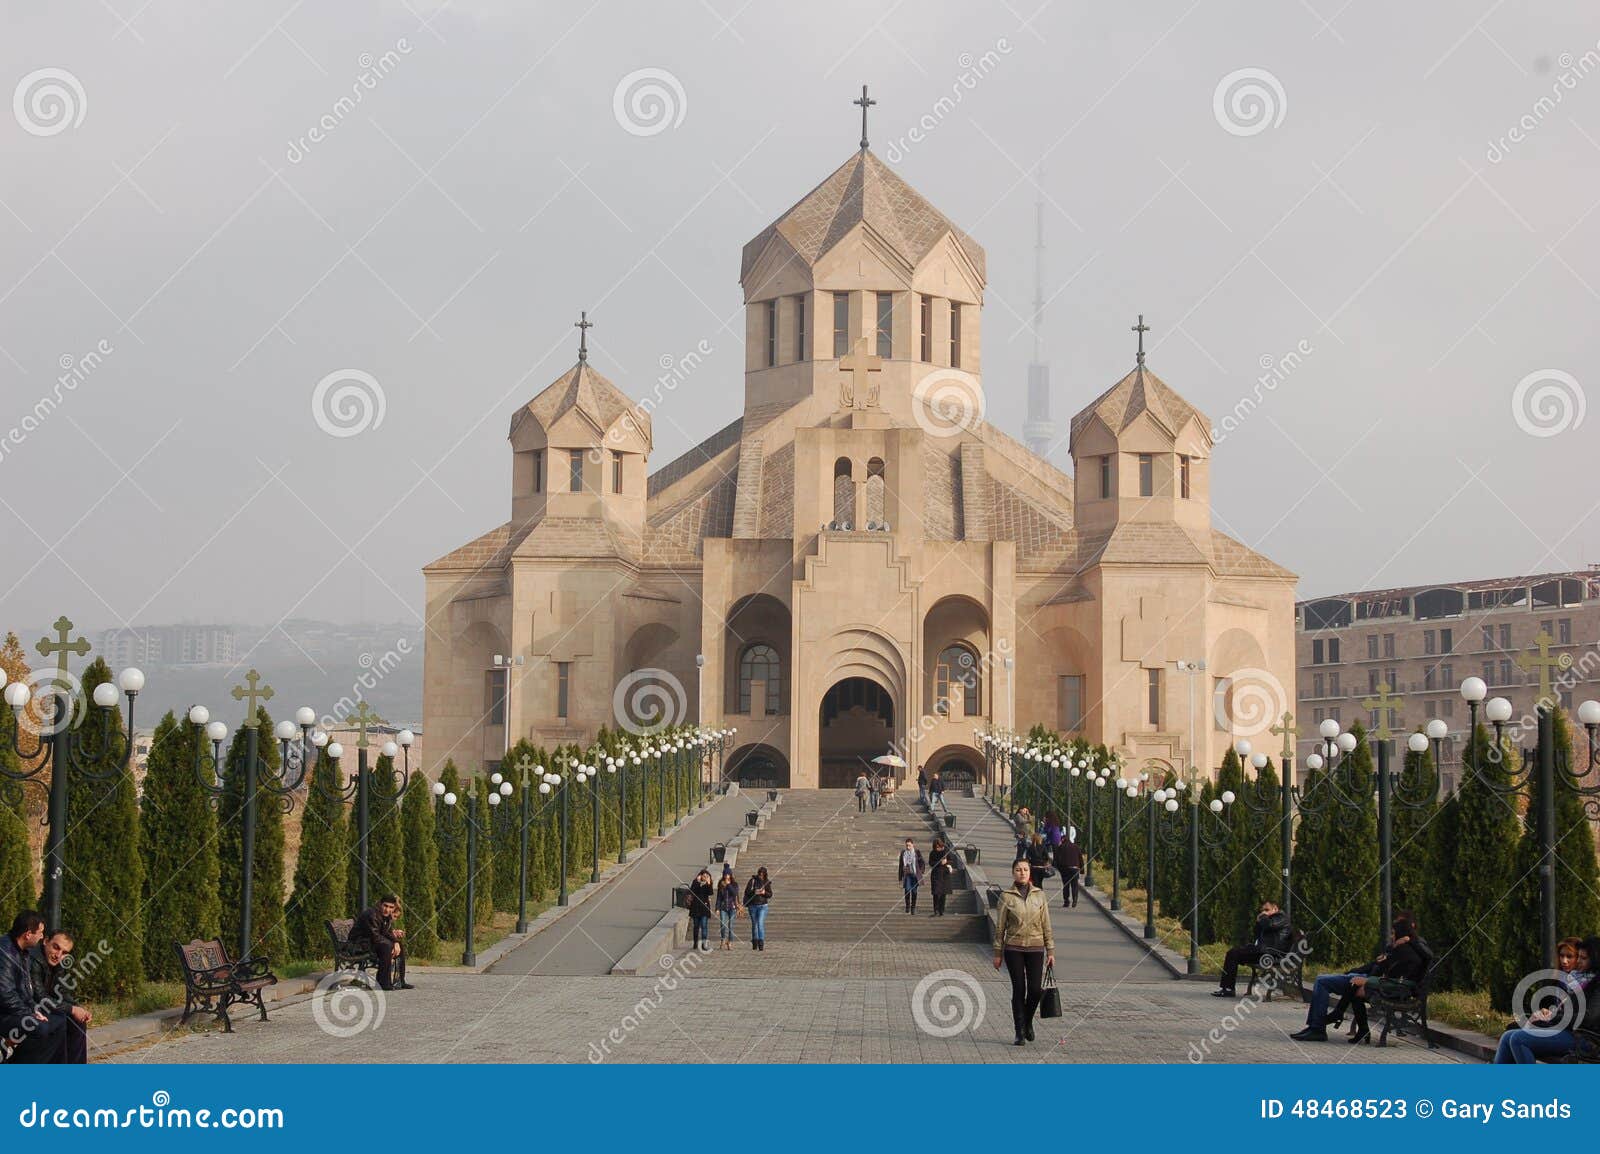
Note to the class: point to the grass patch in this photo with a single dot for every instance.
(500, 926)
(1466, 1010)
(1169, 931)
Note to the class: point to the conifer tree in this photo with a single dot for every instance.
(178, 845)
(1354, 908)
(17, 889)
(483, 884)
(319, 873)
(1438, 910)
(268, 929)
(450, 837)
(102, 889)
(421, 914)
(1485, 848)
(1419, 781)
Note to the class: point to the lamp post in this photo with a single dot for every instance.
(361, 786)
(618, 764)
(282, 784)
(1124, 786)
(67, 746)
(1154, 801)
(469, 818)
(591, 775)
(1196, 833)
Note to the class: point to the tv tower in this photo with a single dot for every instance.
(1040, 431)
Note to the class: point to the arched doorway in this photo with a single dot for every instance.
(855, 725)
(758, 767)
(958, 766)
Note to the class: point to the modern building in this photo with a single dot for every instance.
(1418, 644)
(167, 645)
(857, 562)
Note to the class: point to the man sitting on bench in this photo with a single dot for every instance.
(1274, 936)
(35, 1037)
(374, 928)
(1401, 966)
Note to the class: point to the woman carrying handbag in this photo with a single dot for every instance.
(1024, 945)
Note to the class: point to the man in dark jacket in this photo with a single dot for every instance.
(1274, 936)
(1404, 962)
(1069, 860)
(374, 928)
(51, 962)
(33, 1037)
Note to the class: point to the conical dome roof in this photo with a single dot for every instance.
(1141, 391)
(585, 390)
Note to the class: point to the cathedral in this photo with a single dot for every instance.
(858, 563)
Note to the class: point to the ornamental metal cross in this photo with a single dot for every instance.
(525, 765)
(583, 324)
(1384, 703)
(865, 103)
(256, 693)
(860, 364)
(1544, 663)
(1141, 328)
(61, 646)
(1286, 731)
(364, 718)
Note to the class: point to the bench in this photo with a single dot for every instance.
(1403, 1007)
(347, 957)
(1281, 971)
(212, 981)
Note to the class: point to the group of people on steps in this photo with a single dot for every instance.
(723, 896)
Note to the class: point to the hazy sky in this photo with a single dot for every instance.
(444, 232)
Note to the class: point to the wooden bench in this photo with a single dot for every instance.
(1403, 1007)
(347, 957)
(1281, 971)
(212, 981)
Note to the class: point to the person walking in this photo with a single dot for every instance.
(1039, 859)
(861, 793)
(1054, 833)
(922, 786)
(1069, 860)
(727, 905)
(908, 871)
(1024, 946)
(941, 874)
(936, 793)
(757, 895)
(702, 892)
(1024, 826)
(875, 791)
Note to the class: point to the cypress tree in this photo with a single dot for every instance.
(387, 844)
(1577, 907)
(422, 870)
(1312, 887)
(1355, 910)
(178, 845)
(1438, 913)
(14, 663)
(319, 882)
(1486, 838)
(450, 837)
(483, 884)
(1419, 782)
(18, 883)
(16, 862)
(268, 928)
(104, 881)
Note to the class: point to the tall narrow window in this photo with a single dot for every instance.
(955, 334)
(1183, 477)
(575, 471)
(616, 472)
(1316, 652)
(1333, 650)
(1105, 478)
(1372, 647)
(1564, 631)
(772, 332)
(538, 470)
(956, 672)
(801, 353)
(1153, 696)
(1429, 641)
(925, 350)
(1446, 641)
(841, 324)
(1388, 644)
(494, 693)
(1070, 692)
(759, 662)
(886, 325)
(563, 687)
(1505, 637)
(1147, 475)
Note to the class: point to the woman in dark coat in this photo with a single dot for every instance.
(1039, 860)
(942, 867)
(701, 892)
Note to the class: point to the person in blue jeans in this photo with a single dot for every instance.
(757, 893)
(1550, 1032)
(727, 905)
(1404, 961)
(908, 869)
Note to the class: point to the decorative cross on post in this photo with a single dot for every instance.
(583, 324)
(1141, 328)
(256, 693)
(61, 647)
(860, 364)
(1385, 703)
(363, 718)
(865, 103)
(1288, 733)
(525, 765)
(1544, 663)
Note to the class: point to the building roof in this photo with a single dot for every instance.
(1590, 576)
(1141, 391)
(581, 388)
(862, 190)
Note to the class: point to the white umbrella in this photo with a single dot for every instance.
(889, 759)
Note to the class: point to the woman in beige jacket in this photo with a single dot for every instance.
(1024, 945)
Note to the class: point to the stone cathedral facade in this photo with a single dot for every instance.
(858, 562)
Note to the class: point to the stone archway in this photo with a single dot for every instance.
(855, 723)
(958, 766)
(758, 767)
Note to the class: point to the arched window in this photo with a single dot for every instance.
(957, 670)
(760, 663)
(874, 491)
(844, 493)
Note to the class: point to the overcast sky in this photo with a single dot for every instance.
(161, 198)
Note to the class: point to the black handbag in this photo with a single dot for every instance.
(1050, 1002)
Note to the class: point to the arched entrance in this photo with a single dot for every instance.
(855, 725)
(958, 766)
(758, 767)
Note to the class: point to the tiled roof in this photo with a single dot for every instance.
(862, 190)
(490, 551)
(581, 388)
(1141, 391)
(1231, 558)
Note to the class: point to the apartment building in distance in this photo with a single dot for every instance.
(167, 645)
(1400, 655)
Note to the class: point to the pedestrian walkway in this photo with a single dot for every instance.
(1088, 947)
(591, 938)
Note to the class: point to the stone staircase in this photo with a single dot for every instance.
(833, 873)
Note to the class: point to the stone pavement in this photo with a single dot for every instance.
(591, 938)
